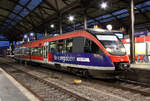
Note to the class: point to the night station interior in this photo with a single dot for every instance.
(74, 50)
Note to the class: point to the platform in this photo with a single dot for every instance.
(138, 72)
(143, 66)
(11, 90)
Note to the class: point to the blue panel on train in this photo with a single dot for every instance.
(88, 59)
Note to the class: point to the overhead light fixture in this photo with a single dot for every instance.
(71, 18)
(25, 36)
(52, 25)
(31, 34)
(104, 5)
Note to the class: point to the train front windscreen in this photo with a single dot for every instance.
(110, 41)
(112, 44)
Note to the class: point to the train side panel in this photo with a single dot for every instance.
(85, 59)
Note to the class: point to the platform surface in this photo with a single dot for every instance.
(143, 66)
(9, 91)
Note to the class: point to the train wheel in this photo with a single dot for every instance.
(58, 67)
(20, 62)
(69, 69)
(28, 63)
(25, 63)
(85, 73)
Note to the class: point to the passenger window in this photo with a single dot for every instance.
(35, 51)
(60, 46)
(69, 45)
(26, 51)
(52, 47)
(39, 52)
(64, 46)
(87, 46)
(95, 48)
(91, 47)
(22, 51)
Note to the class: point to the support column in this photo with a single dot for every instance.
(74, 25)
(15, 43)
(60, 23)
(35, 36)
(85, 19)
(29, 39)
(45, 33)
(11, 47)
(132, 42)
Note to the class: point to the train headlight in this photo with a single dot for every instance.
(123, 50)
(109, 50)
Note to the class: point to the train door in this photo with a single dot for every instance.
(45, 52)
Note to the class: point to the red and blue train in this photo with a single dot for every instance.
(98, 53)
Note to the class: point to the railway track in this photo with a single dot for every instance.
(123, 90)
(134, 86)
(42, 89)
(129, 86)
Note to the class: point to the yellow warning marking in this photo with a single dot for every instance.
(77, 81)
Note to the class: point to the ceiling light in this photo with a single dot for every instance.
(31, 34)
(25, 36)
(104, 5)
(71, 18)
(52, 25)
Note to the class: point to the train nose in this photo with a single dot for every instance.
(122, 66)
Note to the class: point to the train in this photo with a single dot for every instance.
(90, 52)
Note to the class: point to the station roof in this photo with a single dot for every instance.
(18, 17)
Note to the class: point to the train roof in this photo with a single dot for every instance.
(90, 30)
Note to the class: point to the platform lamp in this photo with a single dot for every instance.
(71, 19)
(32, 36)
(53, 28)
(109, 27)
(26, 37)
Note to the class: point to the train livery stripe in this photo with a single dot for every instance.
(75, 65)
(87, 59)
(86, 67)
(37, 58)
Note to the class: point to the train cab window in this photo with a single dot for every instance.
(52, 47)
(69, 43)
